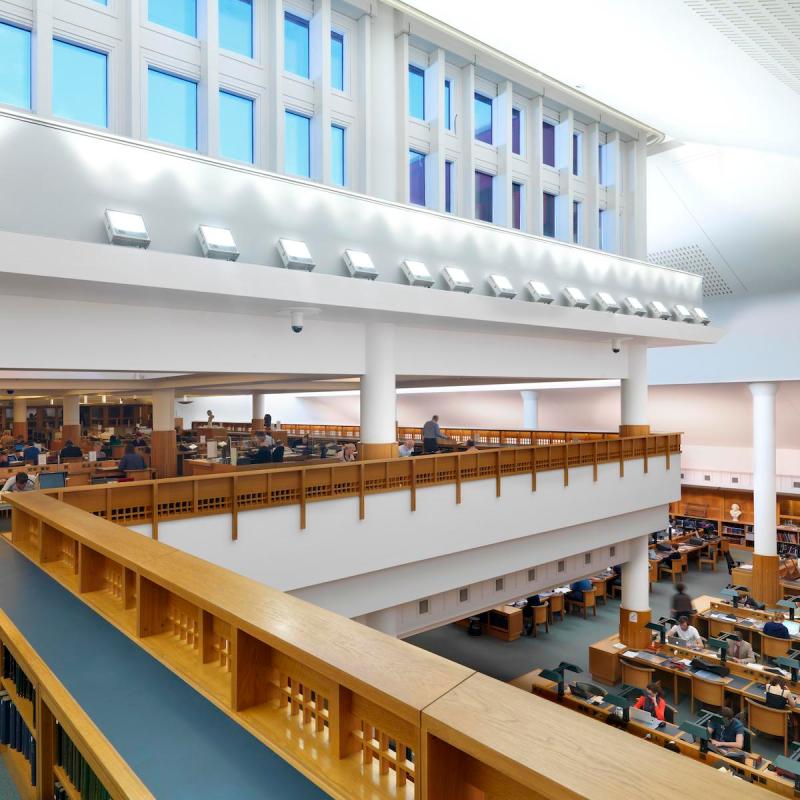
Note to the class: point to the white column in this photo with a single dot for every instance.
(272, 116)
(21, 411)
(434, 113)
(613, 192)
(401, 111)
(362, 173)
(163, 409)
(533, 199)
(530, 409)
(320, 57)
(378, 392)
(635, 576)
(566, 193)
(131, 122)
(766, 540)
(42, 83)
(259, 406)
(633, 391)
(504, 104)
(208, 90)
(72, 409)
(591, 237)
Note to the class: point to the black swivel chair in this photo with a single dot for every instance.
(731, 562)
(277, 454)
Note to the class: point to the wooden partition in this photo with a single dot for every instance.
(66, 745)
(229, 493)
(361, 714)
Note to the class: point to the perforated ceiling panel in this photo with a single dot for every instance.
(691, 258)
(766, 30)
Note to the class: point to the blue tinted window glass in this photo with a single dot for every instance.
(548, 144)
(448, 186)
(601, 232)
(483, 196)
(80, 84)
(416, 92)
(235, 127)
(576, 222)
(297, 145)
(548, 214)
(576, 153)
(483, 118)
(337, 61)
(236, 26)
(602, 164)
(171, 109)
(180, 15)
(516, 206)
(448, 99)
(295, 45)
(416, 177)
(337, 156)
(15, 66)
(516, 131)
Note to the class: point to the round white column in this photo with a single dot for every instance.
(633, 391)
(764, 498)
(72, 409)
(20, 411)
(378, 390)
(164, 410)
(635, 576)
(530, 409)
(259, 406)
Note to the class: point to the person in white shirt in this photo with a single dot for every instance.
(19, 483)
(687, 633)
(407, 448)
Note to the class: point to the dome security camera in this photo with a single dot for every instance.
(296, 321)
(616, 345)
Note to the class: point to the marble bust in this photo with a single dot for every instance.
(735, 512)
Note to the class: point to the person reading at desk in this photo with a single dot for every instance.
(740, 651)
(131, 460)
(777, 695)
(99, 453)
(687, 634)
(776, 628)
(728, 731)
(348, 452)
(407, 448)
(577, 588)
(30, 455)
(471, 446)
(70, 450)
(263, 453)
(652, 701)
(19, 483)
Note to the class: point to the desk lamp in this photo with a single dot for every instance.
(790, 664)
(700, 733)
(722, 646)
(790, 604)
(557, 677)
(733, 595)
(660, 628)
(623, 702)
(791, 765)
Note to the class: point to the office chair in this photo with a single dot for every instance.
(277, 454)
(731, 562)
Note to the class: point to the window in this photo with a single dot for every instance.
(602, 164)
(416, 177)
(612, 551)
(516, 131)
(449, 185)
(448, 100)
(424, 606)
(483, 196)
(171, 109)
(463, 595)
(531, 575)
(416, 92)
(548, 144)
(483, 118)
(80, 91)
(516, 206)
(236, 26)
(337, 60)
(560, 566)
(180, 15)
(577, 222)
(587, 558)
(297, 145)
(577, 153)
(295, 45)
(15, 66)
(602, 229)
(235, 127)
(337, 156)
(548, 214)
(498, 584)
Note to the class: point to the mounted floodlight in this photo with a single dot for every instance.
(658, 309)
(681, 313)
(126, 229)
(360, 265)
(501, 286)
(457, 280)
(417, 274)
(217, 243)
(295, 255)
(633, 306)
(701, 316)
(575, 297)
(539, 292)
(605, 302)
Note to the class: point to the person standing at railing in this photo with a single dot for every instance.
(431, 433)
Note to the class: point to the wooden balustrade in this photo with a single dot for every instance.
(52, 712)
(230, 493)
(361, 714)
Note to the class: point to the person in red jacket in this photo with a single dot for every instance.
(652, 701)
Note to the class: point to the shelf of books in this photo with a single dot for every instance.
(50, 746)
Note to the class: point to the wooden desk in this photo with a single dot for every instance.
(742, 576)
(505, 622)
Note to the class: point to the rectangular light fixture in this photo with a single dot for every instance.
(701, 316)
(217, 243)
(633, 306)
(501, 286)
(456, 279)
(658, 309)
(575, 297)
(295, 255)
(681, 313)
(359, 265)
(417, 274)
(605, 302)
(539, 292)
(126, 229)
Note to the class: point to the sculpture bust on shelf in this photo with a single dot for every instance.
(735, 512)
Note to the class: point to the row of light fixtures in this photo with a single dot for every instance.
(128, 229)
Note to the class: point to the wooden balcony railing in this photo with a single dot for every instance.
(230, 493)
(363, 715)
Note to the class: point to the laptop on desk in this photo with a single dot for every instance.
(644, 717)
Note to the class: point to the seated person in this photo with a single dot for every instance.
(407, 448)
(30, 455)
(535, 600)
(750, 602)
(114, 439)
(777, 694)
(348, 452)
(4, 459)
(19, 444)
(776, 628)
(727, 732)
(617, 580)
(687, 633)
(131, 460)
(263, 455)
(681, 603)
(19, 483)
(99, 453)
(577, 588)
(305, 448)
(471, 446)
(740, 651)
(652, 701)
(675, 555)
(139, 440)
(69, 450)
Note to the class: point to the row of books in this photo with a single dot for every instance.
(78, 770)
(15, 734)
(13, 671)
